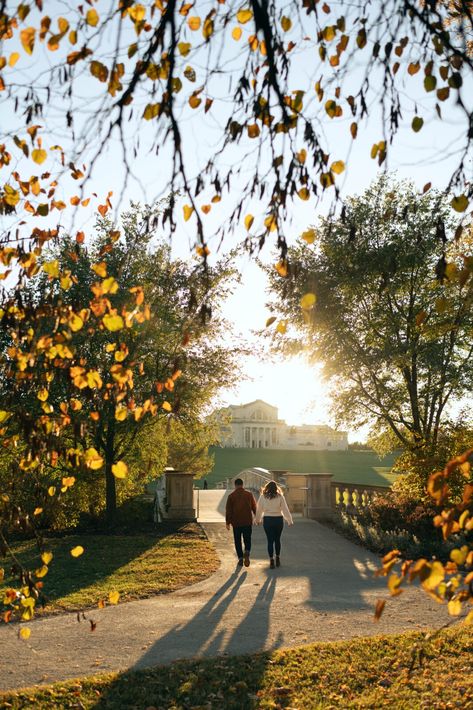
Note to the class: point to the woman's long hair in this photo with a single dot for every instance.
(271, 490)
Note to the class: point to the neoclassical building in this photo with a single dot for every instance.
(256, 426)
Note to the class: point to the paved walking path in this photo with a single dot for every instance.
(324, 591)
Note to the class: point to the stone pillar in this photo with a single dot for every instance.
(296, 492)
(179, 502)
(319, 498)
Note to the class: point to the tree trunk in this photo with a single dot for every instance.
(110, 487)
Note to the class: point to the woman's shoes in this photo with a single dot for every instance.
(271, 563)
(278, 561)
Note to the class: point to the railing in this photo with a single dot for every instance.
(352, 497)
(253, 478)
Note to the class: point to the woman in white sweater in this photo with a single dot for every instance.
(272, 509)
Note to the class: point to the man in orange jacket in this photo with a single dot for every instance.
(239, 511)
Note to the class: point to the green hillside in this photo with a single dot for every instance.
(346, 466)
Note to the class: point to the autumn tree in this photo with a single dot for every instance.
(383, 299)
(118, 371)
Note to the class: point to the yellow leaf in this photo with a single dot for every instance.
(459, 555)
(137, 13)
(113, 322)
(43, 394)
(437, 575)
(193, 23)
(270, 321)
(120, 414)
(194, 101)
(120, 469)
(249, 219)
(51, 268)
(286, 23)
(42, 571)
(302, 156)
(12, 196)
(37, 511)
(66, 282)
(92, 18)
(110, 285)
(270, 223)
(4, 416)
(184, 48)
(309, 236)
(244, 16)
(236, 33)
(167, 407)
(208, 29)
(393, 585)
(469, 618)
(308, 301)
(93, 379)
(39, 155)
(337, 167)
(281, 327)
(14, 57)
(46, 557)
(75, 322)
(151, 111)
(25, 633)
(77, 551)
(100, 269)
(304, 193)
(202, 250)
(113, 597)
(92, 459)
(27, 37)
(281, 268)
(454, 607)
(188, 210)
(51, 490)
(459, 203)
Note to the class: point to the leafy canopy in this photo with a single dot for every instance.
(384, 302)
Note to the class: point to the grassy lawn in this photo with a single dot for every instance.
(136, 565)
(346, 466)
(361, 673)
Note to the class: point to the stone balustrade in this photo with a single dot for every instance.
(314, 495)
(353, 497)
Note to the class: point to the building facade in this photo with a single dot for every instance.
(256, 426)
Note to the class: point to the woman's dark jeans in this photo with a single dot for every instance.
(273, 527)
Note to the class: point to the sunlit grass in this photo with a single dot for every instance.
(136, 566)
(403, 672)
(363, 467)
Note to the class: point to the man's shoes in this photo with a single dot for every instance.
(240, 562)
(271, 563)
(278, 561)
(247, 559)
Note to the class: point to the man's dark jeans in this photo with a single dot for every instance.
(245, 532)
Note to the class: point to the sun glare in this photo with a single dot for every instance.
(293, 386)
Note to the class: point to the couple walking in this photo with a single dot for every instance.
(271, 509)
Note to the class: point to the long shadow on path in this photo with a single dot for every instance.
(201, 636)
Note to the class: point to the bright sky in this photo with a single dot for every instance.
(293, 386)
